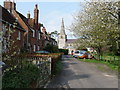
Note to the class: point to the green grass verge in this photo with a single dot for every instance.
(112, 66)
(109, 57)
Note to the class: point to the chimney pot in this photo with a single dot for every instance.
(9, 5)
(28, 15)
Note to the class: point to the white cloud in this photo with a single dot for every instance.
(52, 21)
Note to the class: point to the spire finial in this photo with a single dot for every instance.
(62, 18)
(62, 22)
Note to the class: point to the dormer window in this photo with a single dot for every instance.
(41, 29)
(33, 33)
(8, 11)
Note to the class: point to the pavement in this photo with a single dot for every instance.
(77, 74)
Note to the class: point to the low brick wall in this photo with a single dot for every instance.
(45, 63)
(54, 57)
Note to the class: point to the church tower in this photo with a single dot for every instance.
(62, 37)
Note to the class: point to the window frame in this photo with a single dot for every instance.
(19, 35)
(33, 33)
(34, 47)
(38, 47)
(39, 36)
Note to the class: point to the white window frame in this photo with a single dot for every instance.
(5, 46)
(38, 47)
(34, 48)
(39, 35)
(41, 29)
(3, 29)
(33, 33)
(19, 35)
(29, 44)
(9, 34)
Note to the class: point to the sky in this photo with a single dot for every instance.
(51, 13)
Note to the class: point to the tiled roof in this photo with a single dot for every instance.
(24, 19)
(28, 22)
(71, 40)
(31, 22)
(7, 17)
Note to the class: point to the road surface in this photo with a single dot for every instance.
(77, 74)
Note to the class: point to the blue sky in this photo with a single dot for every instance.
(51, 13)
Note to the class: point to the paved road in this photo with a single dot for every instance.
(77, 74)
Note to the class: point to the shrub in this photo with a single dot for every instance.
(21, 78)
(51, 48)
(65, 51)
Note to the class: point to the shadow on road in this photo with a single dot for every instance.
(66, 75)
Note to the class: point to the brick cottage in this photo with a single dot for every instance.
(22, 33)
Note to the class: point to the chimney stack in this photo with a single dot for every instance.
(28, 15)
(13, 5)
(36, 13)
(9, 5)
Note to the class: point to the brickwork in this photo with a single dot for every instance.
(32, 37)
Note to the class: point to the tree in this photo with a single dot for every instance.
(54, 34)
(98, 21)
(51, 48)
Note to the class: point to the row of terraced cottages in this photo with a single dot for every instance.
(20, 33)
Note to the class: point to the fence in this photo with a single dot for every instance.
(110, 59)
(43, 63)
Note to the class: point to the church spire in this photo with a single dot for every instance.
(62, 32)
(62, 36)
